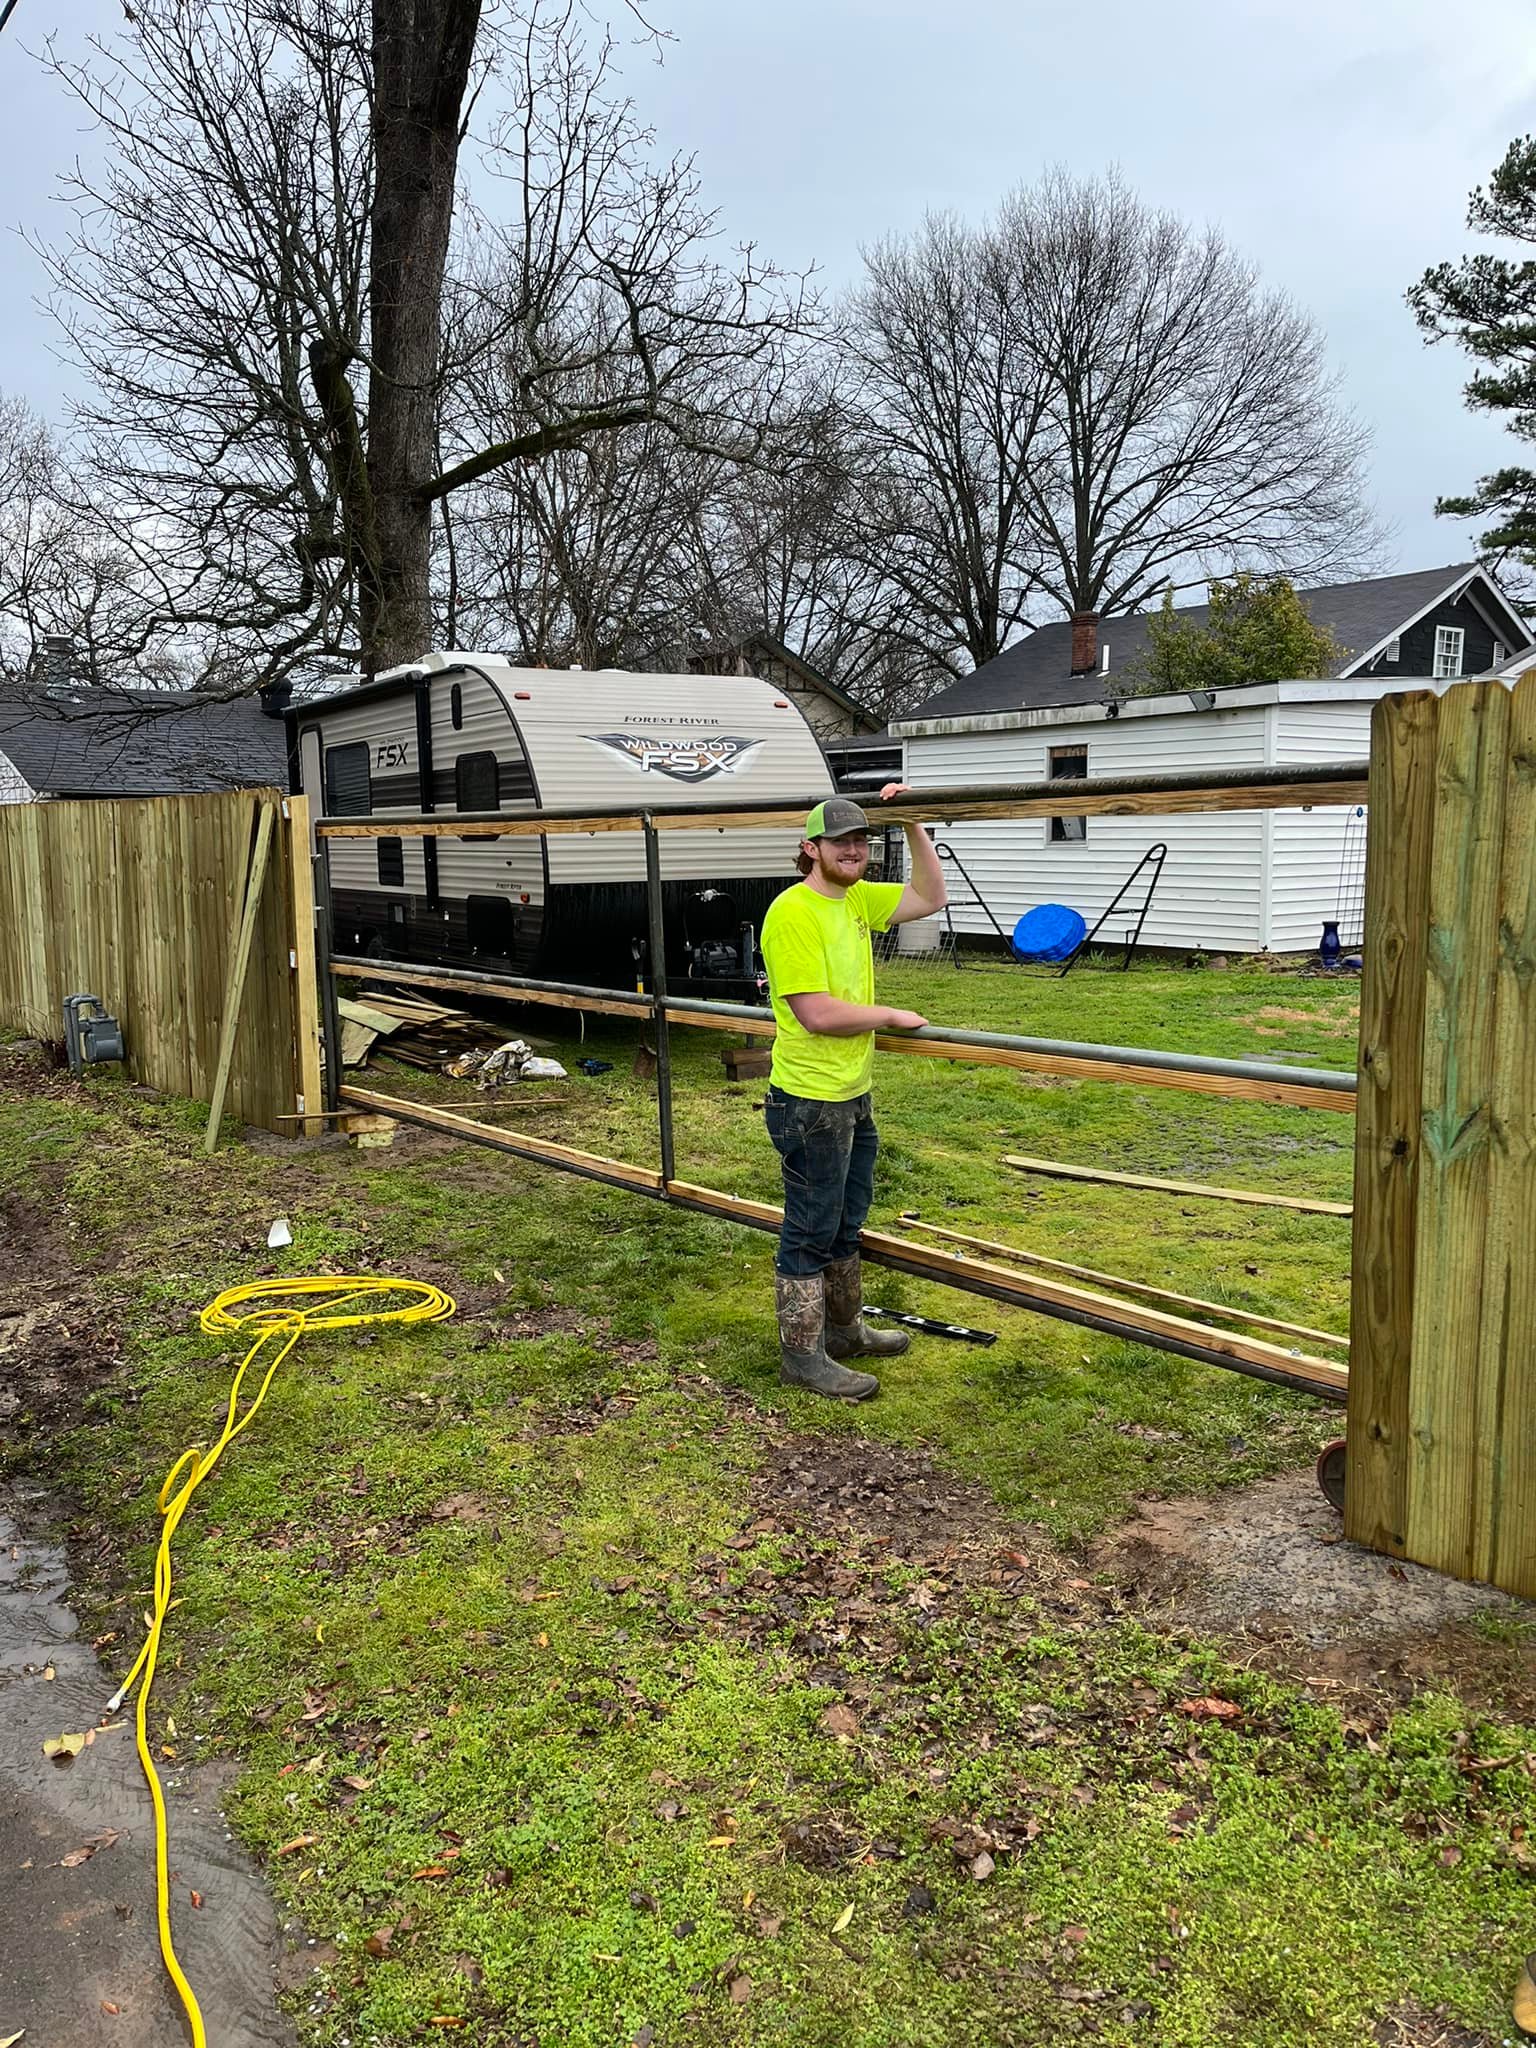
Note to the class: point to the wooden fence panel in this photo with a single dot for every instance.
(1443, 1328)
(137, 901)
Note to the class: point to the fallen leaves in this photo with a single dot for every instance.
(982, 1865)
(1210, 1709)
(64, 1749)
(840, 1721)
(298, 1842)
(842, 1919)
(88, 1849)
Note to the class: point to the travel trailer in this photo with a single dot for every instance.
(472, 733)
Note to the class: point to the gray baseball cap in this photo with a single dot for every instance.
(835, 819)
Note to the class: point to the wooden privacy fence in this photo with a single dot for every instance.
(143, 902)
(1442, 1393)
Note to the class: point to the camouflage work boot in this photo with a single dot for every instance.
(848, 1335)
(802, 1360)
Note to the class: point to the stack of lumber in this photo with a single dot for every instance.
(422, 1033)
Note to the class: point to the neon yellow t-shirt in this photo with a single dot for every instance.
(819, 945)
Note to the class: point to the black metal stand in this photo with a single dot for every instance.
(1154, 854)
(658, 950)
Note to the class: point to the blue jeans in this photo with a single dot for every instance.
(827, 1150)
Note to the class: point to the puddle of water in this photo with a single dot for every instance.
(80, 1940)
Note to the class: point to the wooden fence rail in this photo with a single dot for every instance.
(139, 901)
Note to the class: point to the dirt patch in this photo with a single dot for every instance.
(1271, 1021)
(57, 1344)
(1269, 1569)
(1411, 2026)
(869, 1547)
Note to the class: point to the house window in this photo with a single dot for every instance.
(456, 707)
(1066, 764)
(1500, 652)
(1449, 641)
(348, 787)
(1104, 659)
(391, 863)
(477, 782)
(1393, 650)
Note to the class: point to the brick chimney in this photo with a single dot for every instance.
(1085, 643)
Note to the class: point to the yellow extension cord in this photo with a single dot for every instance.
(265, 1306)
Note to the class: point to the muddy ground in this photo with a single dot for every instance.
(1265, 1572)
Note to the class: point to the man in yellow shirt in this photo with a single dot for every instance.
(821, 979)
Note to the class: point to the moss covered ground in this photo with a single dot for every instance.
(584, 1687)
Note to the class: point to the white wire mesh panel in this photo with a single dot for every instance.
(1349, 906)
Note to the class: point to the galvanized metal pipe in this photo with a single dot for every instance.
(1331, 1079)
(752, 1017)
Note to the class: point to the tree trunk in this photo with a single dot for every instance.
(421, 58)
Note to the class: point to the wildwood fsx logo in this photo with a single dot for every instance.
(683, 760)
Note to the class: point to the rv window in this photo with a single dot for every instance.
(391, 863)
(456, 707)
(476, 783)
(1067, 763)
(348, 791)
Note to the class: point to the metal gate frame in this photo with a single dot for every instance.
(1260, 789)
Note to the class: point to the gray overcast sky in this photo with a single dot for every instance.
(1334, 144)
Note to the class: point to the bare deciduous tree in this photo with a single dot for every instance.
(64, 578)
(950, 409)
(1084, 402)
(277, 225)
(1192, 427)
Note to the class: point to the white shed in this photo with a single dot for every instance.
(1234, 881)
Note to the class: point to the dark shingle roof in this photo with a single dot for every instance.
(1037, 672)
(163, 743)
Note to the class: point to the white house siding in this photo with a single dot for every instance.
(14, 788)
(1211, 894)
(1309, 847)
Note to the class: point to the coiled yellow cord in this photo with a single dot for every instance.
(270, 1308)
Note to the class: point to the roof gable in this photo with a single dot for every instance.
(1362, 616)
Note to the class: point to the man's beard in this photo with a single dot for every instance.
(831, 870)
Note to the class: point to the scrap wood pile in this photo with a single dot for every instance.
(421, 1033)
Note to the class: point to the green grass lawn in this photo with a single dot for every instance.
(614, 1695)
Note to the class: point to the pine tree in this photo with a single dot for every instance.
(1487, 305)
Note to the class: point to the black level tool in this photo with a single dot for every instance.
(931, 1328)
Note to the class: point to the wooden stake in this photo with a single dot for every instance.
(1141, 1289)
(1057, 1170)
(240, 960)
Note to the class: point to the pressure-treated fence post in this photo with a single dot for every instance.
(308, 1082)
(1443, 1332)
